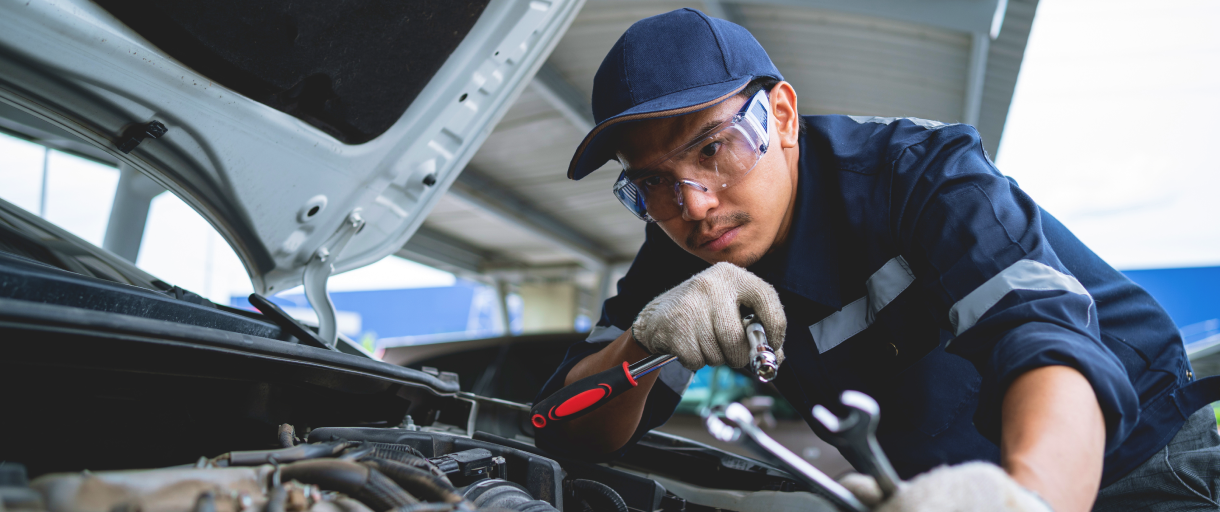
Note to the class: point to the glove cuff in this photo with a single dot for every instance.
(636, 339)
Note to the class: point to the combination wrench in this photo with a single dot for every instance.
(856, 434)
(735, 424)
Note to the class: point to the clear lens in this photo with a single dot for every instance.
(629, 195)
(709, 164)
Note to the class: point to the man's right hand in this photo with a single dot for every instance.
(703, 311)
(699, 321)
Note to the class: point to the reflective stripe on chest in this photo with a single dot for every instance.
(882, 287)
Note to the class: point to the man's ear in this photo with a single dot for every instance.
(783, 109)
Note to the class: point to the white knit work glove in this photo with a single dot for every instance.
(968, 487)
(699, 321)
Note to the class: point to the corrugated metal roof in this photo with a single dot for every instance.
(850, 64)
(838, 62)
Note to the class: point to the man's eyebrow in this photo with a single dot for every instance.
(707, 127)
(703, 131)
(700, 133)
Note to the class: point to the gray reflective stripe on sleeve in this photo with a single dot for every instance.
(602, 333)
(886, 283)
(1022, 275)
(931, 125)
(840, 325)
(883, 287)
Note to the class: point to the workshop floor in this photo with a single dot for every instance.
(794, 434)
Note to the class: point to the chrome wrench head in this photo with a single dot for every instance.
(856, 434)
(734, 424)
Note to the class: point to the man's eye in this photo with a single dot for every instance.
(711, 149)
(652, 181)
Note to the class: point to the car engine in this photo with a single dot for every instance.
(361, 469)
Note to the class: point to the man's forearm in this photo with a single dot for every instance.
(1053, 437)
(611, 426)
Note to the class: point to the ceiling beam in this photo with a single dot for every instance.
(495, 199)
(568, 100)
(437, 249)
(718, 9)
(959, 15)
(976, 75)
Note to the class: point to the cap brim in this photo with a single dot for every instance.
(596, 149)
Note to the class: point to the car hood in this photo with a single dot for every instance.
(302, 131)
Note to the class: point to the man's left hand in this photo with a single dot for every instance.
(972, 486)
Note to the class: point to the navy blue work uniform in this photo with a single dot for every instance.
(917, 273)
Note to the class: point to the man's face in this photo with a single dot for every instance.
(743, 222)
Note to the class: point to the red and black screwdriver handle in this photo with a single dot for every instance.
(582, 396)
(585, 395)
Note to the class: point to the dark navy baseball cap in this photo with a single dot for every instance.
(668, 65)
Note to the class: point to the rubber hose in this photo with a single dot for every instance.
(428, 507)
(287, 435)
(600, 497)
(206, 502)
(282, 455)
(397, 448)
(536, 506)
(362, 483)
(404, 454)
(525, 506)
(422, 484)
(277, 499)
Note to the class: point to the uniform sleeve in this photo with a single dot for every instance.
(659, 266)
(975, 243)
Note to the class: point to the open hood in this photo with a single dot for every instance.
(314, 136)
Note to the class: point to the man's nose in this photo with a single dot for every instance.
(695, 201)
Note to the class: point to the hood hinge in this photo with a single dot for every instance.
(319, 270)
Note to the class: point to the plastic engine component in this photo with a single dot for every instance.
(467, 466)
(541, 476)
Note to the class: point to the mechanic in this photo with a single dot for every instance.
(883, 255)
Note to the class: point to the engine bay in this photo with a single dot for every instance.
(106, 417)
(413, 468)
(123, 399)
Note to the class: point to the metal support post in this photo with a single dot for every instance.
(129, 212)
(502, 295)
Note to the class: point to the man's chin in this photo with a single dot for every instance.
(734, 255)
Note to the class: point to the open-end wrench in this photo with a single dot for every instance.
(856, 433)
(735, 424)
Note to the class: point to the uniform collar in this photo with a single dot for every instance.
(807, 264)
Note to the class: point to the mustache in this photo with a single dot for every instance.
(731, 219)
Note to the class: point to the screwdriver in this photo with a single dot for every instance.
(585, 395)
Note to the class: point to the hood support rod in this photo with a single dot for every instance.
(318, 271)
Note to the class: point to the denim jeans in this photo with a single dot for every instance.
(1183, 476)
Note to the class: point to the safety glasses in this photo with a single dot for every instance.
(711, 162)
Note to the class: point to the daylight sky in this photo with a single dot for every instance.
(1111, 130)
(178, 245)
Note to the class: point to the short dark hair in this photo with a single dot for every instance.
(765, 83)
